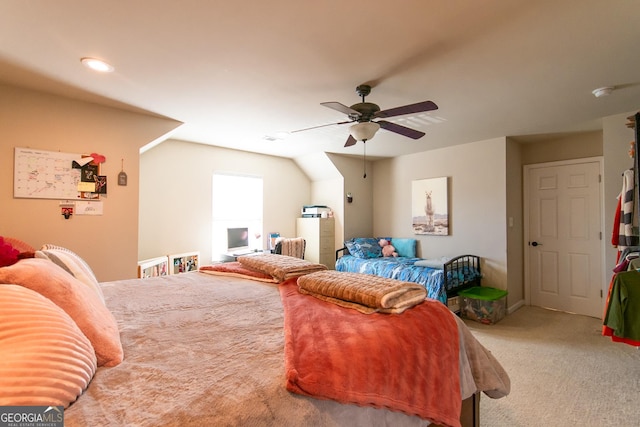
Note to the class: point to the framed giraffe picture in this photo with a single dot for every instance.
(430, 206)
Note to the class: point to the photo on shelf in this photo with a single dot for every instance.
(153, 267)
(183, 263)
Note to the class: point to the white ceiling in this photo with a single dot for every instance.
(235, 72)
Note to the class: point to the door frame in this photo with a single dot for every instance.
(525, 184)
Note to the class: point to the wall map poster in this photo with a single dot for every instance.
(45, 174)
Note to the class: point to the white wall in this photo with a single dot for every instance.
(37, 120)
(515, 224)
(327, 185)
(553, 148)
(175, 195)
(358, 215)
(477, 202)
(328, 192)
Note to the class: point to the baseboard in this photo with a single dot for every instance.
(515, 306)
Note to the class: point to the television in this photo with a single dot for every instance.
(238, 240)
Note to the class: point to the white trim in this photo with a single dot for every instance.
(516, 306)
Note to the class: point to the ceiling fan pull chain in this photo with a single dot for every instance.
(364, 158)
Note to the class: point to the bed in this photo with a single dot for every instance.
(218, 347)
(442, 277)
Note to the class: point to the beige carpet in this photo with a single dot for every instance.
(563, 372)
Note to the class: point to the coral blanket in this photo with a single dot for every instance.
(407, 362)
(235, 269)
(363, 292)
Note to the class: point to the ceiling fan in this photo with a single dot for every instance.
(364, 113)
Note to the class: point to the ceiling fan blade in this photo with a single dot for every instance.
(407, 109)
(350, 141)
(321, 126)
(402, 130)
(342, 108)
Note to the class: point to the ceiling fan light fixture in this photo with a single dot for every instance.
(364, 131)
(96, 65)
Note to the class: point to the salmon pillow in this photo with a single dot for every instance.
(79, 301)
(46, 359)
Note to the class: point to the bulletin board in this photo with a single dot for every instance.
(44, 174)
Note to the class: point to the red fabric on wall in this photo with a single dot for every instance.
(615, 234)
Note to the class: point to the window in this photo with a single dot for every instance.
(237, 201)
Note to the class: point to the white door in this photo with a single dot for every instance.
(564, 236)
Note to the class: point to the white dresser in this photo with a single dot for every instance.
(318, 234)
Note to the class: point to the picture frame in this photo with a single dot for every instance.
(153, 267)
(184, 262)
(430, 206)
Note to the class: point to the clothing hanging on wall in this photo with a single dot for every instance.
(621, 319)
(628, 226)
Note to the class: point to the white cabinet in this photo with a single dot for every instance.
(318, 234)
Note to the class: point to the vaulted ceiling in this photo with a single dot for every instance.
(243, 74)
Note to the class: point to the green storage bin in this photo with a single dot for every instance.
(483, 304)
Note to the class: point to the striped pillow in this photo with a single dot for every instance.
(83, 305)
(46, 359)
(73, 265)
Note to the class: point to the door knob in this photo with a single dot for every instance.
(535, 244)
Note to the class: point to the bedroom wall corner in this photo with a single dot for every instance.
(33, 119)
(514, 225)
(477, 202)
(327, 187)
(357, 215)
(176, 203)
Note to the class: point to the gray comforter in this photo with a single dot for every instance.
(205, 350)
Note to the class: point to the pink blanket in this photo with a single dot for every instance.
(405, 362)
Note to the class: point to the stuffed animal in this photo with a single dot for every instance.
(387, 248)
(8, 254)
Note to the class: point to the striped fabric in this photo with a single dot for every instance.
(627, 232)
(291, 246)
(73, 265)
(81, 303)
(46, 359)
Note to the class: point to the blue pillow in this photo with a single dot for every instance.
(351, 246)
(405, 247)
(366, 247)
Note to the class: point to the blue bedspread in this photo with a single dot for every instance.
(402, 268)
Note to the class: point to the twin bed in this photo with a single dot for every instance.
(240, 344)
(443, 278)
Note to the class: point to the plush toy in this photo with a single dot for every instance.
(387, 248)
(8, 255)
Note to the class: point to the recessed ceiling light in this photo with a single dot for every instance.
(96, 65)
